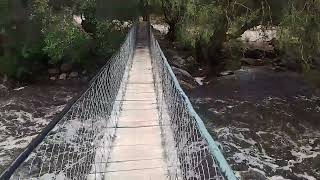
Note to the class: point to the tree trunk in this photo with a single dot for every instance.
(210, 52)
(172, 32)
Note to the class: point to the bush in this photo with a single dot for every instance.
(204, 28)
(65, 40)
(300, 34)
(109, 37)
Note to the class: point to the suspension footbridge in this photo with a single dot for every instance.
(134, 122)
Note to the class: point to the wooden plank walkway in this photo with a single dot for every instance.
(137, 152)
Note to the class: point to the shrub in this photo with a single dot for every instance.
(65, 40)
(299, 36)
(109, 37)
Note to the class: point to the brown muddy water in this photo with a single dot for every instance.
(25, 111)
(266, 123)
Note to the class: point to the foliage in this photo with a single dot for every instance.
(210, 26)
(38, 33)
(44, 31)
(300, 32)
(63, 39)
(109, 37)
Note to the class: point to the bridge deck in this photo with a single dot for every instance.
(137, 152)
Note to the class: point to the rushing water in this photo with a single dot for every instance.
(26, 111)
(267, 123)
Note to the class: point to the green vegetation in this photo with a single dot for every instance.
(211, 27)
(38, 34)
(41, 33)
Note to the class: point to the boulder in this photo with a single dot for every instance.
(185, 78)
(73, 75)
(178, 61)
(53, 71)
(252, 62)
(253, 175)
(63, 76)
(187, 86)
(191, 60)
(260, 51)
(66, 67)
(181, 73)
(226, 73)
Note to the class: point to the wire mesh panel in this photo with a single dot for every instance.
(79, 145)
(190, 151)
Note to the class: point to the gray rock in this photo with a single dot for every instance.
(226, 73)
(73, 75)
(185, 78)
(66, 67)
(63, 76)
(191, 63)
(186, 85)
(53, 78)
(252, 62)
(191, 60)
(178, 61)
(253, 175)
(181, 72)
(53, 71)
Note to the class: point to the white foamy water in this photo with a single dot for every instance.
(18, 129)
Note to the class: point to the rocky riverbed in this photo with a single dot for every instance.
(25, 111)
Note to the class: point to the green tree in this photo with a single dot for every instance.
(300, 32)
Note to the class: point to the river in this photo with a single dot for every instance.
(266, 123)
(25, 111)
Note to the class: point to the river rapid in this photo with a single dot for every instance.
(25, 111)
(266, 123)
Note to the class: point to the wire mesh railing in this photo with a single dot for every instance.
(77, 144)
(191, 153)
